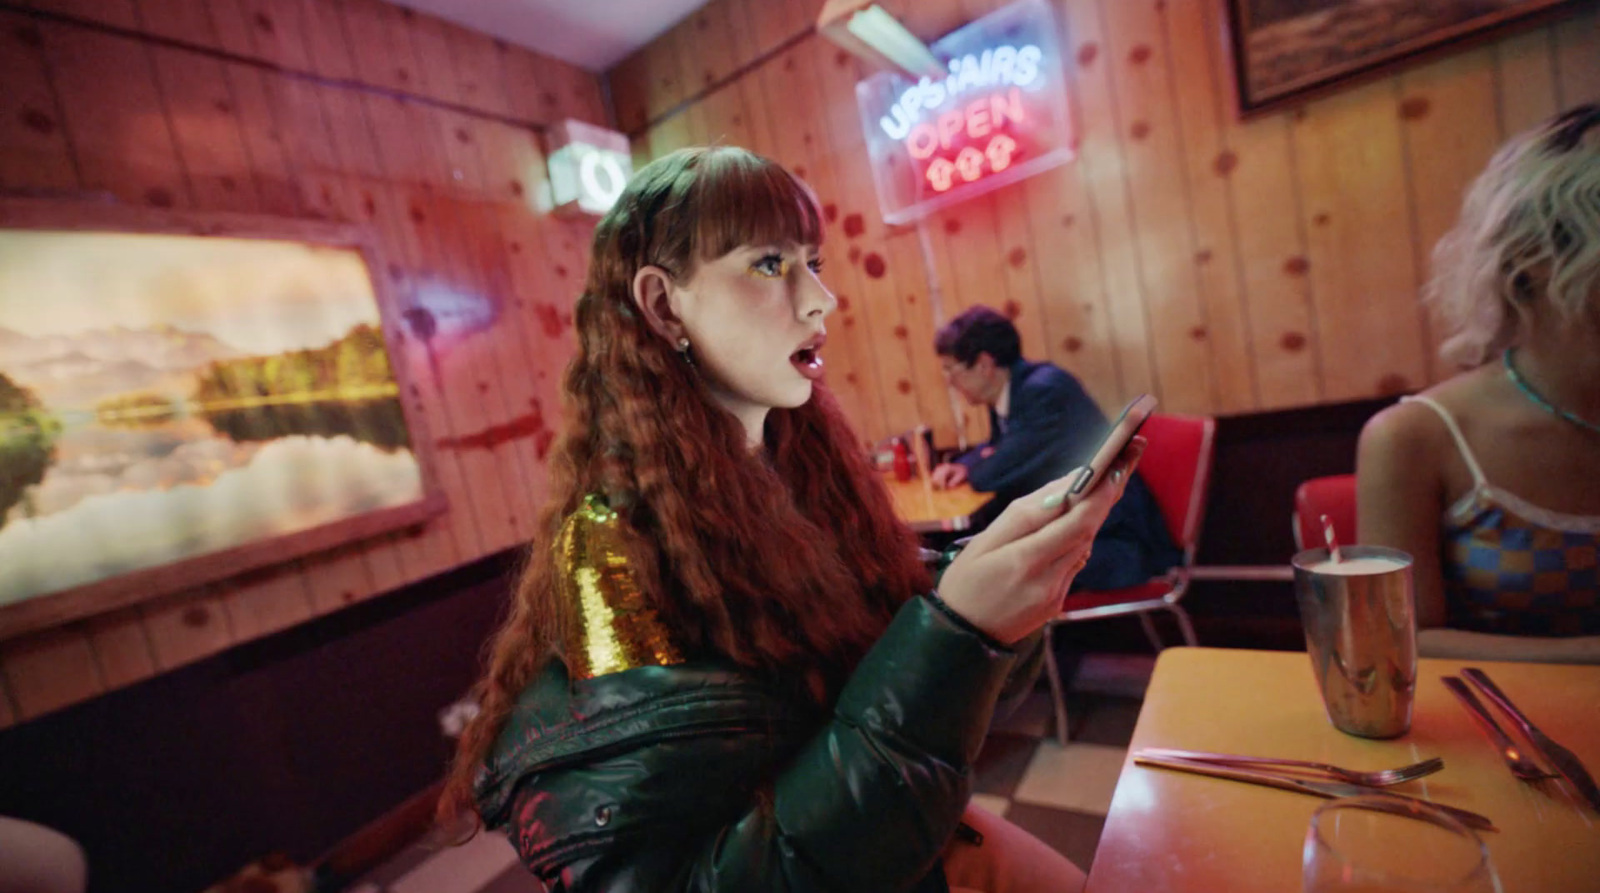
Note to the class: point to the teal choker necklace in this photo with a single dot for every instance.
(1542, 403)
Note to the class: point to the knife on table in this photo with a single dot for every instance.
(1564, 761)
(1330, 789)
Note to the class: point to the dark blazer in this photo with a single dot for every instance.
(1054, 427)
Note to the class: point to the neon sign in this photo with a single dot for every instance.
(1004, 65)
(999, 116)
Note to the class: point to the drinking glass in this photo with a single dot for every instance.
(1376, 843)
(1361, 632)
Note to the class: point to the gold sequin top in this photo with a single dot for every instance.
(618, 629)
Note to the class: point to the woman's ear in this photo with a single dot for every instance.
(652, 294)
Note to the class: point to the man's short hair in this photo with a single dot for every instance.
(979, 330)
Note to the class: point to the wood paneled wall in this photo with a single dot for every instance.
(353, 110)
(1225, 267)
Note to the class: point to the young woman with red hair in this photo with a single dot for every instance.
(726, 667)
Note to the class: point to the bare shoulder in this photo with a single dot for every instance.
(1407, 431)
(1414, 430)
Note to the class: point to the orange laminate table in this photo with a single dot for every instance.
(934, 511)
(1176, 832)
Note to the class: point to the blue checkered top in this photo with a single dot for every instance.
(1513, 567)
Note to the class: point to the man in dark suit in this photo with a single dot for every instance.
(1042, 424)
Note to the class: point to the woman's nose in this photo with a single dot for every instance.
(815, 300)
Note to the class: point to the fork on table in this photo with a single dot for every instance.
(1378, 778)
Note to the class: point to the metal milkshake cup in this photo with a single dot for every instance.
(1360, 618)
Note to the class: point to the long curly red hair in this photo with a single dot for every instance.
(788, 561)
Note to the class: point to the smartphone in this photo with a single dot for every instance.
(1117, 439)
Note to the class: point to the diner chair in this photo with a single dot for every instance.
(1177, 468)
(1334, 496)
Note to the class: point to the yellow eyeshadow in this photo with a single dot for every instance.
(784, 266)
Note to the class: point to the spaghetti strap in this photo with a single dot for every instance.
(1478, 479)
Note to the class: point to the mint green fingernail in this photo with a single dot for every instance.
(1054, 500)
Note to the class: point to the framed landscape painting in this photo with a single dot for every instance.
(1286, 51)
(183, 399)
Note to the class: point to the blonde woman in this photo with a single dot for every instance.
(1491, 480)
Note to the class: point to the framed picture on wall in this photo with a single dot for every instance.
(184, 398)
(1286, 51)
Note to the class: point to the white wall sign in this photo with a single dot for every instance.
(589, 166)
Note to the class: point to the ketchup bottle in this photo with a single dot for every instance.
(902, 460)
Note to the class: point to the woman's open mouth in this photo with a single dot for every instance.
(808, 361)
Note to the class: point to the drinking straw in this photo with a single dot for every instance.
(1327, 533)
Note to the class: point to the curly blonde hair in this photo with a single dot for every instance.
(1529, 234)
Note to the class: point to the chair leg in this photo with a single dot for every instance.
(1184, 624)
(1058, 694)
(1150, 631)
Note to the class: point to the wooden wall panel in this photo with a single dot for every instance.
(631, 83)
(121, 649)
(537, 89)
(263, 140)
(334, 111)
(51, 670)
(1362, 261)
(1202, 137)
(1105, 172)
(117, 13)
(1577, 48)
(1444, 155)
(1066, 256)
(475, 366)
(205, 127)
(34, 151)
(326, 40)
(183, 20)
(1135, 48)
(717, 52)
(1225, 266)
(342, 578)
(185, 628)
(435, 71)
(479, 76)
(1525, 80)
(121, 137)
(1259, 165)
(234, 34)
(267, 601)
(281, 35)
(371, 26)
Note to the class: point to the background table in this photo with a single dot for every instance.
(942, 511)
(1176, 832)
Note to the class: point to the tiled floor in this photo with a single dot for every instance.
(1059, 794)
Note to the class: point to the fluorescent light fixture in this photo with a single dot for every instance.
(878, 37)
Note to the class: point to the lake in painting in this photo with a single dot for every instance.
(163, 397)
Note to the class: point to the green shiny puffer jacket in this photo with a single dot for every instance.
(691, 777)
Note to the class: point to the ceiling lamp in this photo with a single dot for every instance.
(866, 30)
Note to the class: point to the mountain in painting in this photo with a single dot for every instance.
(77, 370)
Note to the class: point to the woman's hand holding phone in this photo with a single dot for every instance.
(1014, 576)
